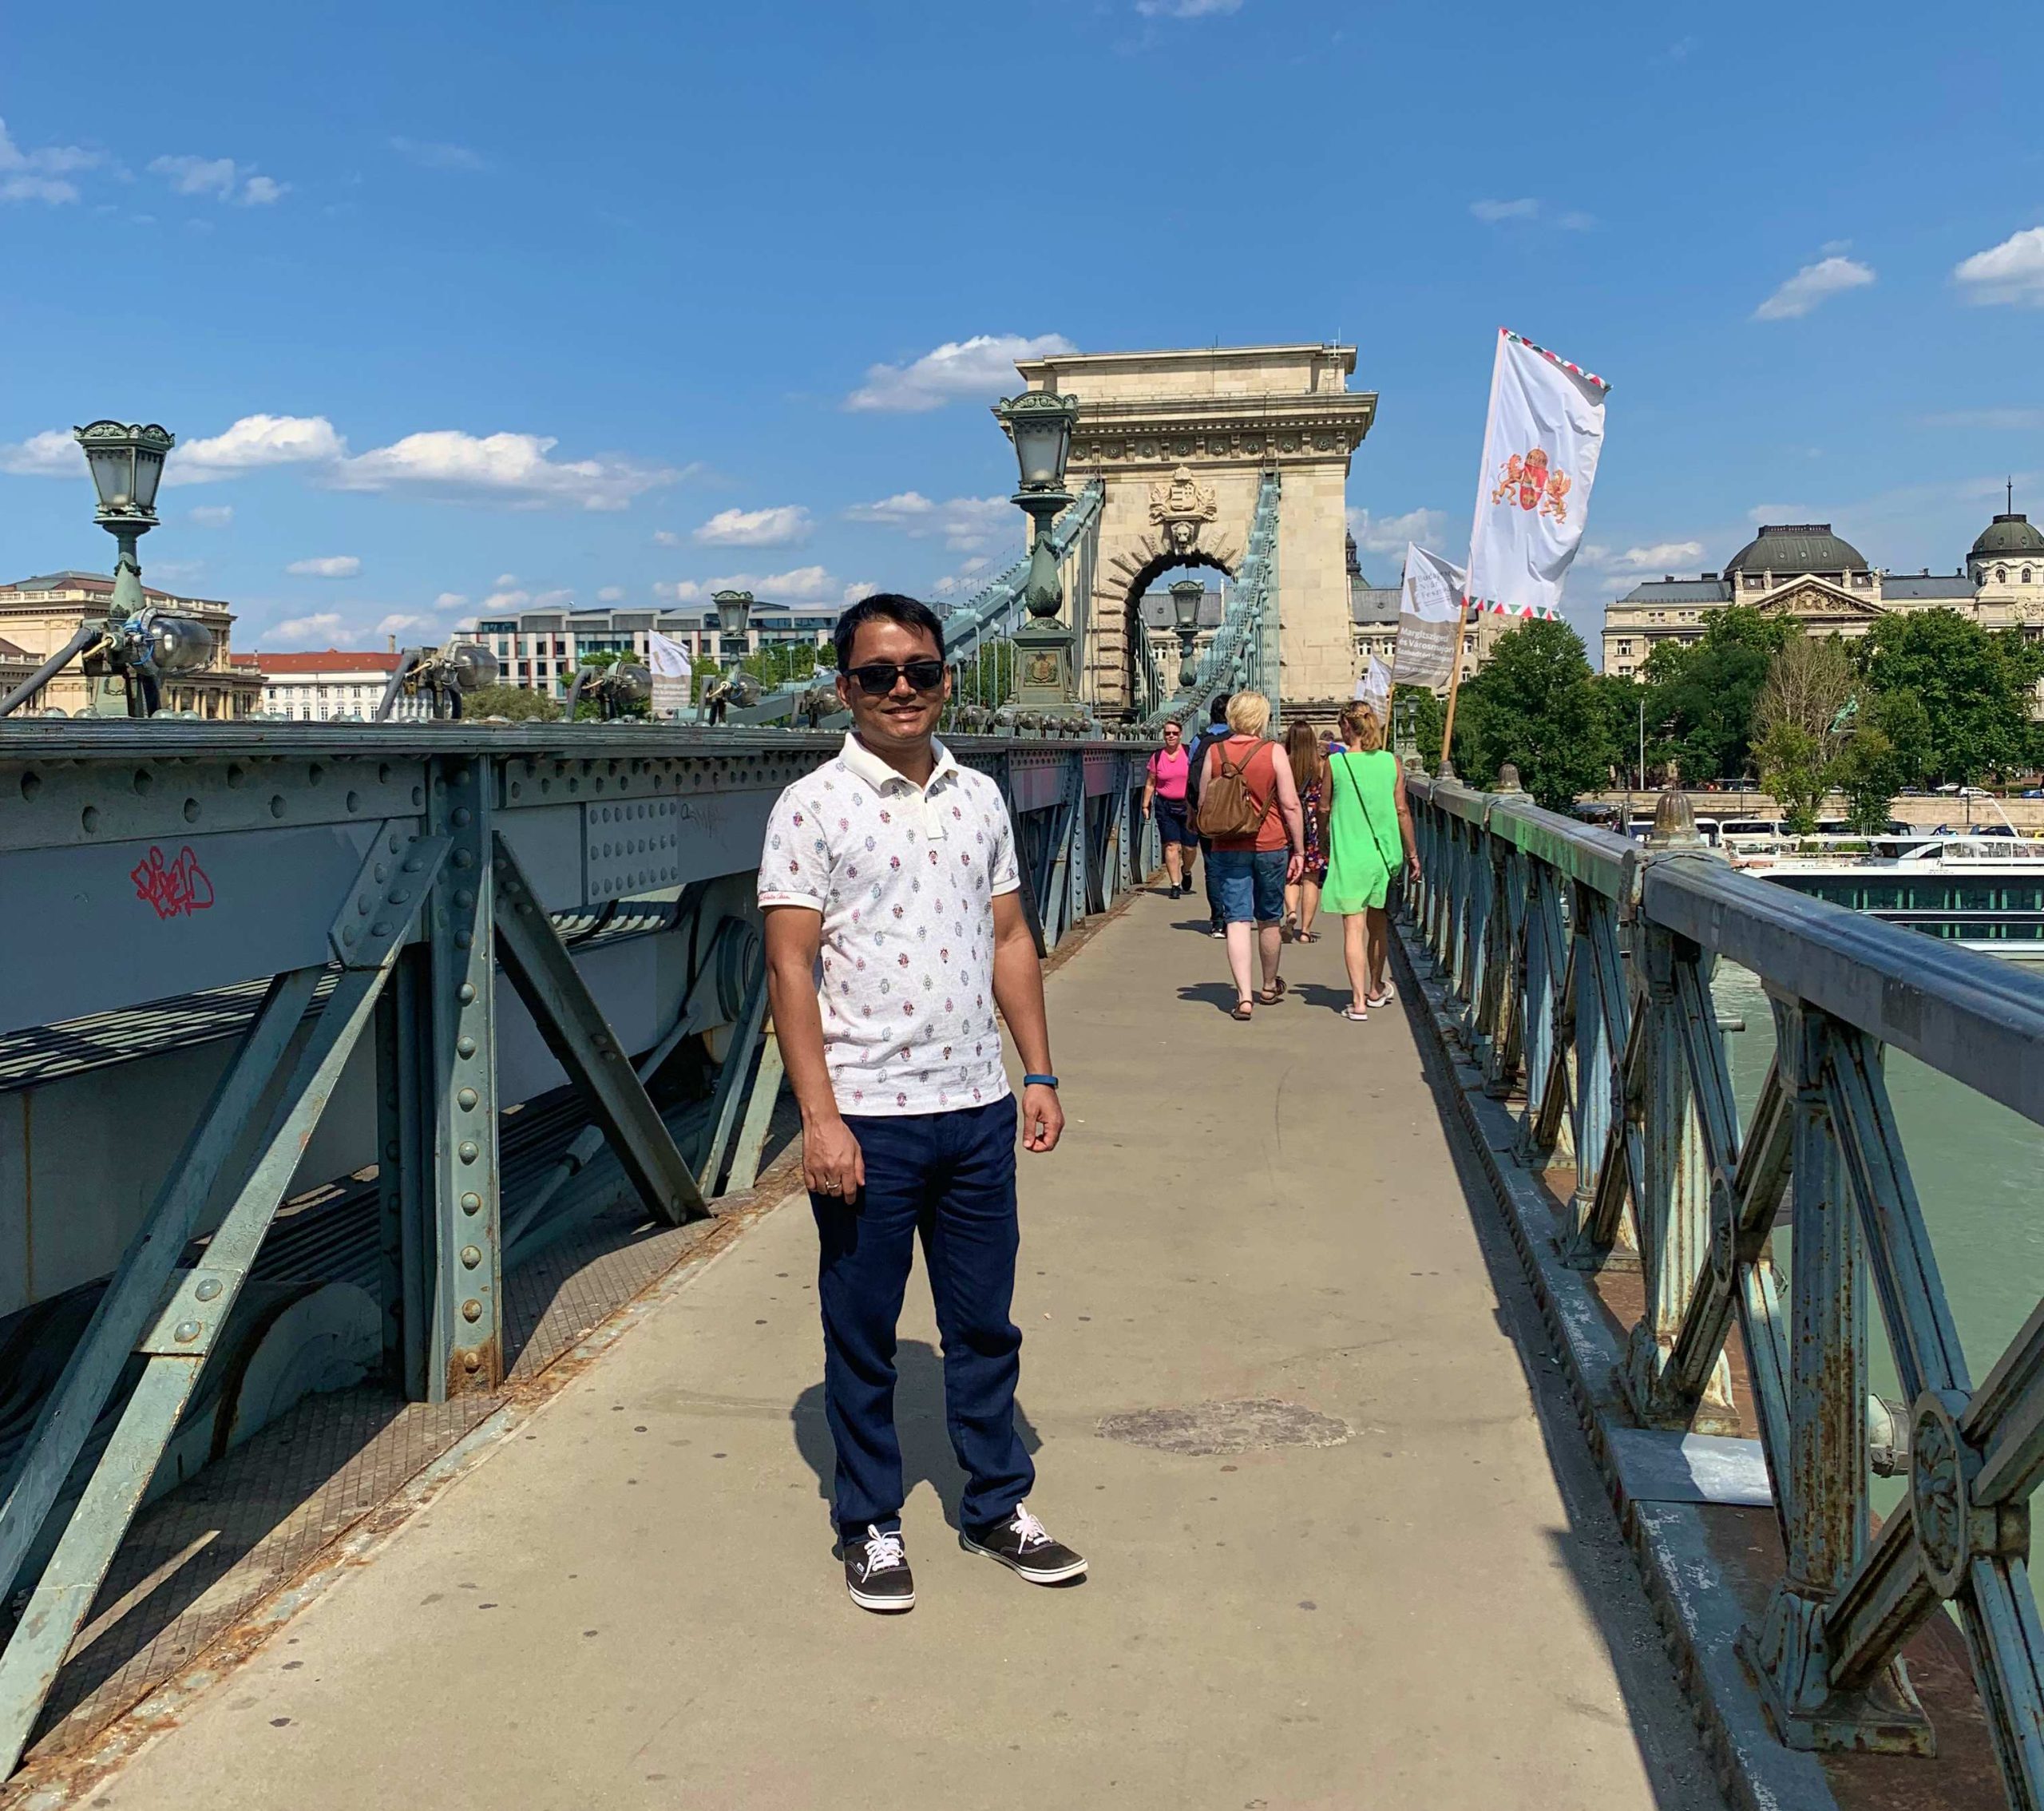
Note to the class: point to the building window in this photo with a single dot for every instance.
(2025, 575)
(2001, 575)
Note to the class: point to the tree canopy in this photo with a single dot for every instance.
(1699, 694)
(1974, 687)
(1535, 704)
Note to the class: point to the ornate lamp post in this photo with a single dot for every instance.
(1039, 423)
(137, 644)
(733, 612)
(1187, 595)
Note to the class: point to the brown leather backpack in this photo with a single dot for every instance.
(1228, 809)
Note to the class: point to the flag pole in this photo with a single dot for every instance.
(1454, 686)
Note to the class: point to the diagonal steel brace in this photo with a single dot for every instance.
(583, 1043)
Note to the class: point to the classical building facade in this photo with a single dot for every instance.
(1805, 571)
(1181, 440)
(37, 616)
(336, 685)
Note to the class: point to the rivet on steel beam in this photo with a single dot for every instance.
(467, 1097)
(400, 895)
(465, 993)
(472, 1361)
(348, 934)
(185, 1332)
(208, 1289)
(381, 928)
(412, 864)
(463, 817)
(462, 940)
(472, 1202)
(465, 898)
(471, 1309)
(466, 1045)
(471, 1256)
(382, 872)
(464, 859)
(468, 1151)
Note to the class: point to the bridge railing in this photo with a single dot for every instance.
(1579, 966)
(483, 912)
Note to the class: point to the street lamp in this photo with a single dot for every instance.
(1039, 423)
(139, 644)
(1187, 595)
(733, 612)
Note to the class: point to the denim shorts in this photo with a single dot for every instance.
(1171, 825)
(1249, 883)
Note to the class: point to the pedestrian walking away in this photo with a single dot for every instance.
(1310, 777)
(1370, 840)
(1163, 792)
(894, 928)
(1248, 808)
(1216, 730)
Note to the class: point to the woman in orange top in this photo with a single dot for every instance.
(1248, 874)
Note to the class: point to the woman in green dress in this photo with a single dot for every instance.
(1370, 835)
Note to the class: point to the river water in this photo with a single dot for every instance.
(1978, 1167)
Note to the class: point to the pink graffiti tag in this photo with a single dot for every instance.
(181, 887)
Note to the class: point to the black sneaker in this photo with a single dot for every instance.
(1178, 892)
(1024, 1546)
(877, 1572)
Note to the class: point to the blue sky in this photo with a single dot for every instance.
(613, 302)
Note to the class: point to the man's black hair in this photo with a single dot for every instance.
(885, 606)
(1218, 711)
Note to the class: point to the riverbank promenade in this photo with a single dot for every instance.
(1285, 1387)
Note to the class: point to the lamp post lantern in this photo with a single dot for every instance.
(1187, 595)
(734, 613)
(1039, 423)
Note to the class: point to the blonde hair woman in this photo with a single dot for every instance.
(1370, 840)
(1248, 871)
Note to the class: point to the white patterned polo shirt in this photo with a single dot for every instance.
(905, 878)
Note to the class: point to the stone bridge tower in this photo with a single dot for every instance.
(1181, 440)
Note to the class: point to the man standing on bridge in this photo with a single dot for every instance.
(894, 926)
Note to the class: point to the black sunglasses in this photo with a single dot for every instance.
(876, 677)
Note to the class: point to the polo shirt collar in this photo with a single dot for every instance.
(877, 774)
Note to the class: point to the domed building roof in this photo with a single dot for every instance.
(2010, 532)
(1797, 547)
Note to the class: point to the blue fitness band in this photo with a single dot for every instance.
(1039, 1081)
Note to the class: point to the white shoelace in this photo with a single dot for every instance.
(883, 1551)
(1032, 1532)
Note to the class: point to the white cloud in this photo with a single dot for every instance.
(399, 624)
(666, 538)
(1662, 556)
(432, 156)
(980, 368)
(2011, 272)
(755, 528)
(52, 454)
(210, 515)
(802, 584)
(1762, 513)
(611, 594)
(504, 579)
(253, 443)
(1186, 9)
(967, 579)
(219, 177)
(1531, 208)
(556, 600)
(319, 631)
(329, 566)
(857, 589)
(509, 467)
(497, 602)
(1390, 533)
(450, 600)
(42, 174)
(1812, 285)
(968, 524)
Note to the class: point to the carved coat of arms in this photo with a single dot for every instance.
(1181, 506)
(1537, 486)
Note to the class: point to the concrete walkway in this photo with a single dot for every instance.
(633, 1601)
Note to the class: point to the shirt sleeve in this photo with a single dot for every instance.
(1003, 875)
(794, 862)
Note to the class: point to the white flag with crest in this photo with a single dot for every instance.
(672, 671)
(1540, 449)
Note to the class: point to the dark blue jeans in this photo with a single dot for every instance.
(949, 1178)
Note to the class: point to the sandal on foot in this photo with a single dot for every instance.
(1242, 1012)
(1383, 997)
(1351, 1014)
(1272, 994)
